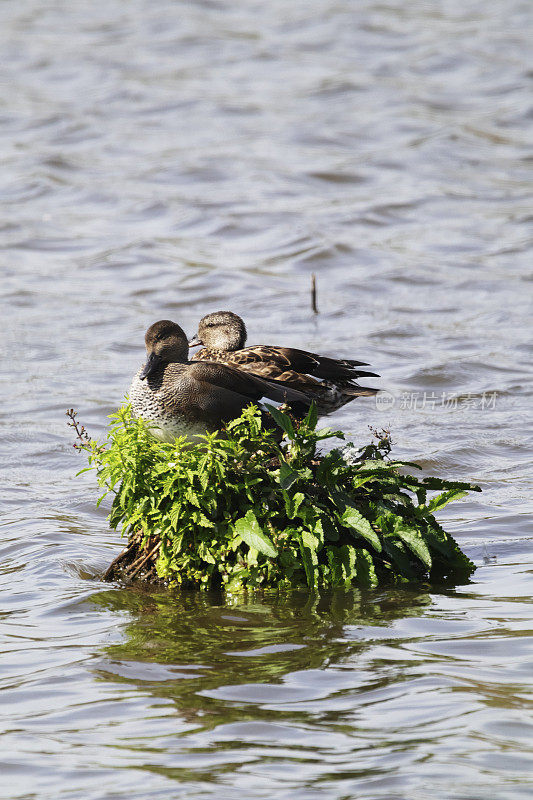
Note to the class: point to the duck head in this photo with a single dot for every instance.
(165, 342)
(221, 330)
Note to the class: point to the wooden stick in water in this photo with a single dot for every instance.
(313, 293)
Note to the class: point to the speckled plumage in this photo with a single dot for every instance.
(161, 402)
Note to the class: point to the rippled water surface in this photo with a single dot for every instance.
(166, 159)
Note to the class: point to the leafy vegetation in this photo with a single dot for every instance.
(241, 511)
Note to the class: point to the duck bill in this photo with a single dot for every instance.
(195, 341)
(151, 365)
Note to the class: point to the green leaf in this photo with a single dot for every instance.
(353, 519)
(310, 541)
(292, 504)
(364, 568)
(250, 532)
(412, 538)
(336, 565)
(283, 420)
(177, 542)
(449, 557)
(439, 483)
(287, 475)
(331, 532)
(436, 503)
(205, 553)
(312, 416)
(174, 514)
(398, 556)
(318, 529)
(372, 465)
(347, 556)
(421, 495)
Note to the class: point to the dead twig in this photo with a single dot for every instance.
(79, 429)
(138, 568)
(84, 440)
(313, 294)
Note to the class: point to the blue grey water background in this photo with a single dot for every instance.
(166, 159)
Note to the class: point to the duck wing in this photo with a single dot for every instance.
(246, 384)
(271, 361)
(314, 364)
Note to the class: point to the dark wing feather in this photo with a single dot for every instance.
(246, 384)
(319, 366)
(272, 362)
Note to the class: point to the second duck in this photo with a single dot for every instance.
(330, 382)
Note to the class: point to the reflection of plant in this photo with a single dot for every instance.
(210, 641)
(243, 511)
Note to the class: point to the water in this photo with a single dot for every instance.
(166, 159)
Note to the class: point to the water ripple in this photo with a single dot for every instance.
(169, 159)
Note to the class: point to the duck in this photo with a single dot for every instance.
(330, 382)
(177, 397)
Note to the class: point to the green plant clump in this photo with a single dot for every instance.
(241, 511)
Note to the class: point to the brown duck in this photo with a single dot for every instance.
(182, 398)
(330, 382)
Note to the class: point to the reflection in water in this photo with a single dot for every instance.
(259, 683)
(214, 644)
(335, 695)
